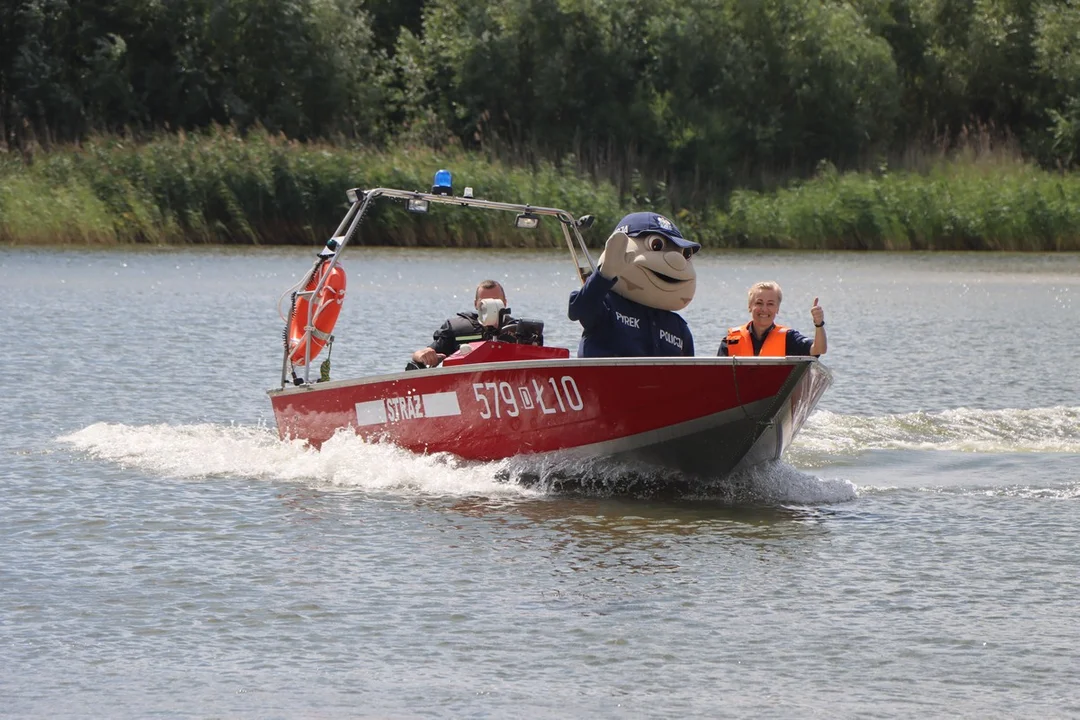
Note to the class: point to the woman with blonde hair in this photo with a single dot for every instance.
(763, 337)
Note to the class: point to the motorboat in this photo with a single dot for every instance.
(509, 397)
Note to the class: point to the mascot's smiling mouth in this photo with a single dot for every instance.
(665, 278)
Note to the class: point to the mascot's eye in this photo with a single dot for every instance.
(656, 244)
(687, 253)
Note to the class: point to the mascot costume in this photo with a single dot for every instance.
(626, 308)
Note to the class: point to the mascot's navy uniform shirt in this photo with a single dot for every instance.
(617, 327)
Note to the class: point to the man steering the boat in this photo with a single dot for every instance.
(763, 337)
(627, 308)
(463, 328)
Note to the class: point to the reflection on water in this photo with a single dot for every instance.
(623, 521)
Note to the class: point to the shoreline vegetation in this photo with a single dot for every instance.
(905, 125)
(258, 188)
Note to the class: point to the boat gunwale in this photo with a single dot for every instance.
(542, 363)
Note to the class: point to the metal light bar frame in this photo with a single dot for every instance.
(348, 226)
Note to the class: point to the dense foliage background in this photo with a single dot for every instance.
(682, 98)
(743, 118)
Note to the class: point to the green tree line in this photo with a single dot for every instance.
(679, 101)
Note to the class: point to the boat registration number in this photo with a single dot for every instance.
(501, 399)
(495, 400)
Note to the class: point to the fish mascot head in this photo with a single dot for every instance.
(653, 262)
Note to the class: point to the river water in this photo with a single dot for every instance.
(163, 554)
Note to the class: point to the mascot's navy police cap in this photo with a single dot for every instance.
(637, 223)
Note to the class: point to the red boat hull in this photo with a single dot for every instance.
(695, 416)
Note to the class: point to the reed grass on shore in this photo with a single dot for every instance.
(957, 205)
(219, 187)
(262, 189)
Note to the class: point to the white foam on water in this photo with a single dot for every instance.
(1038, 430)
(205, 450)
(779, 482)
(1069, 491)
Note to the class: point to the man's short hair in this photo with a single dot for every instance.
(488, 285)
(766, 285)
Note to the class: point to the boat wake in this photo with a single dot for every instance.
(205, 450)
(208, 450)
(826, 435)
(771, 483)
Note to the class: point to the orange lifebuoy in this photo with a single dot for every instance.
(327, 308)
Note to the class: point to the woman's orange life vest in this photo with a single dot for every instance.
(740, 342)
(324, 314)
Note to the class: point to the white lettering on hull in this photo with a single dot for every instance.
(497, 400)
(408, 407)
(549, 396)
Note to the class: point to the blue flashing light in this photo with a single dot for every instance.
(442, 184)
